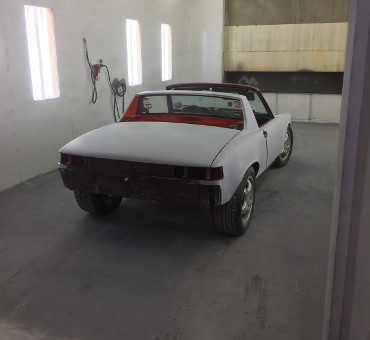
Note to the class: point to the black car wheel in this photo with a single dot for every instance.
(234, 217)
(285, 154)
(96, 204)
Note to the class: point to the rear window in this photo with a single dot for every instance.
(216, 106)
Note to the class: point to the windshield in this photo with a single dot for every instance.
(199, 105)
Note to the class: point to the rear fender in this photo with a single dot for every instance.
(241, 153)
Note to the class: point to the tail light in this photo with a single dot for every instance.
(209, 174)
(73, 160)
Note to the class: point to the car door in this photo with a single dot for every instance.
(275, 137)
(271, 126)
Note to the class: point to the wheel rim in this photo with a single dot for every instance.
(248, 198)
(286, 149)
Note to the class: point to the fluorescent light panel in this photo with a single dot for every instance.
(42, 53)
(133, 36)
(166, 52)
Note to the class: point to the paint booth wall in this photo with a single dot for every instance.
(292, 49)
(285, 35)
(31, 132)
(306, 107)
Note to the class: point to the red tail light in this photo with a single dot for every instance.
(73, 160)
(210, 174)
(216, 174)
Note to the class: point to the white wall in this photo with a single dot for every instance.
(31, 133)
(206, 21)
(323, 108)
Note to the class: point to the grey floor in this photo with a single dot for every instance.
(159, 271)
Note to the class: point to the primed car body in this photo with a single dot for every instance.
(140, 144)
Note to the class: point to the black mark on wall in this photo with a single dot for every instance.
(268, 12)
(290, 82)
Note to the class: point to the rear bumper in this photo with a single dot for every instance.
(114, 183)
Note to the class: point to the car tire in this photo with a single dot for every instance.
(234, 217)
(96, 204)
(284, 156)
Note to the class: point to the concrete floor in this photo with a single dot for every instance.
(159, 271)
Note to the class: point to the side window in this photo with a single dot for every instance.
(153, 105)
(259, 109)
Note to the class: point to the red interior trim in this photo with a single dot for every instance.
(189, 119)
(131, 110)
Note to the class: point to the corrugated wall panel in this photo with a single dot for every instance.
(283, 48)
(275, 12)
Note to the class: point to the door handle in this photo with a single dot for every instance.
(264, 133)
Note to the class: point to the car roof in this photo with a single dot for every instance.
(191, 92)
(230, 85)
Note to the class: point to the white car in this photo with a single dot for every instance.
(199, 144)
